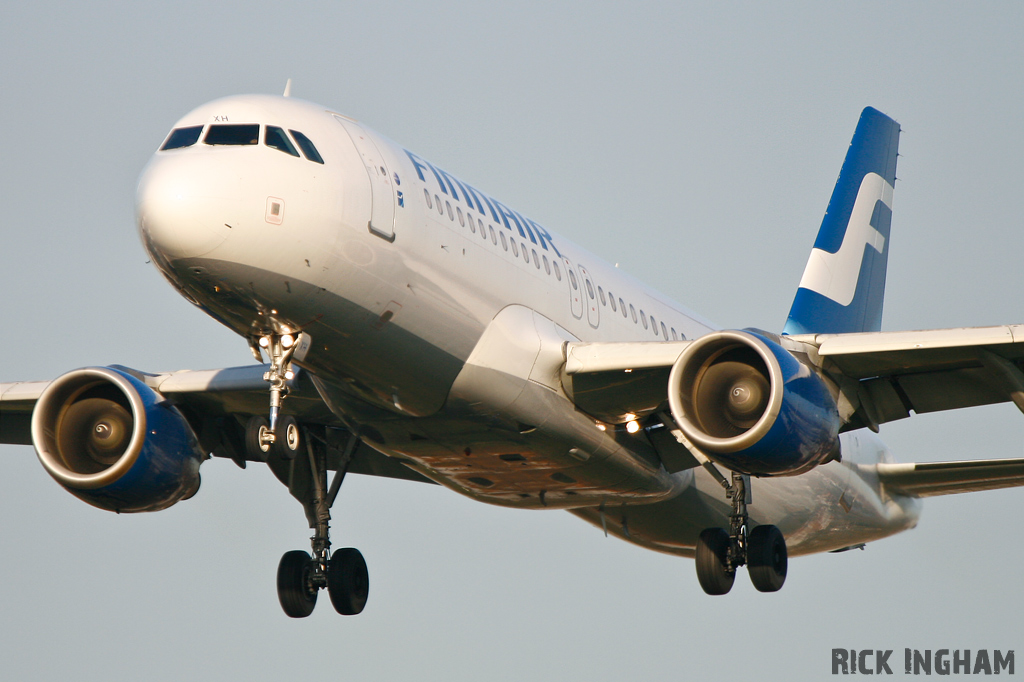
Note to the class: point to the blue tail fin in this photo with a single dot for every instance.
(844, 281)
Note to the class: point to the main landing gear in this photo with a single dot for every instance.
(280, 442)
(301, 575)
(762, 549)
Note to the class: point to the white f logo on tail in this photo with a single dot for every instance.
(835, 275)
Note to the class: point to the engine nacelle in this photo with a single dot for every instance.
(115, 443)
(752, 406)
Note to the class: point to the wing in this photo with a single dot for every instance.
(216, 403)
(619, 382)
(878, 377)
(896, 373)
(885, 375)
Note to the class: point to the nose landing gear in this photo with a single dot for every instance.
(280, 348)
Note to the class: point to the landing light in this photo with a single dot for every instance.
(264, 342)
(289, 375)
(287, 340)
(632, 426)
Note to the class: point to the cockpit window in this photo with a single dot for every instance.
(233, 134)
(307, 146)
(182, 137)
(276, 138)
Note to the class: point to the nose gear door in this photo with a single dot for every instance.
(382, 211)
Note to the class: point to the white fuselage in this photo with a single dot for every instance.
(437, 316)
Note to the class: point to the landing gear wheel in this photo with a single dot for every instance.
(348, 581)
(294, 590)
(767, 558)
(712, 561)
(256, 447)
(288, 437)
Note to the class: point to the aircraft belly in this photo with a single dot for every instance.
(553, 462)
(833, 507)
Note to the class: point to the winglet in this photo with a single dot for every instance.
(844, 282)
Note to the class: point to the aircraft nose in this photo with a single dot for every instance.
(182, 209)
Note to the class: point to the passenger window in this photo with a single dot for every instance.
(664, 332)
(572, 280)
(306, 145)
(276, 139)
(494, 237)
(654, 325)
(547, 265)
(600, 293)
(504, 242)
(182, 137)
(515, 248)
(611, 299)
(675, 337)
(451, 216)
(245, 134)
(558, 270)
(536, 261)
(462, 218)
(590, 289)
(526, 255)
(633, 311)
(622, 305)
(483, 232)
(426, 195)
(440, 208)
(643, 318)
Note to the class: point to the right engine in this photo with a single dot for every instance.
(115, 443)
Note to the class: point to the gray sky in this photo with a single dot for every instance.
(695, 145)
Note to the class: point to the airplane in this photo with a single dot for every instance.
(411, 326)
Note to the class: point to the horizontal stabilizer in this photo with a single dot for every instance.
(945, 478)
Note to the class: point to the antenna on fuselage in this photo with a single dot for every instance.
(288, 88)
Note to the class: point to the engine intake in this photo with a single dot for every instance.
(114, 442)
(751, 405)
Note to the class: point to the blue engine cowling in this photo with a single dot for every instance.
(115, 443)
(752, 406)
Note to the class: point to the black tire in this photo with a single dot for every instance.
(348, 581)
(767, 559)
(297, 596)
(255, 450)
(288, 440)
(712, 554)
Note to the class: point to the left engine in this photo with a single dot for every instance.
(752, 405)
(114, 442)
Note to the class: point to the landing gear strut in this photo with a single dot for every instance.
(719, 554)
(300, 575)
(762, 549)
